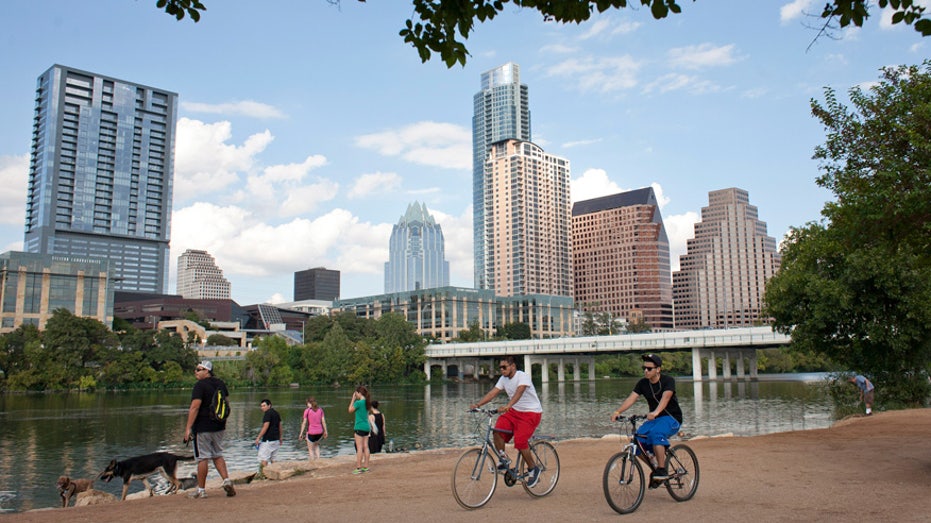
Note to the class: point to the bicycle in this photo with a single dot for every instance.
(623, 475)
(475, 475)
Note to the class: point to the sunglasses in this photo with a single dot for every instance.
(504, 367)
(198, 369)
(648, 368)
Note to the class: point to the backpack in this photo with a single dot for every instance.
(219, 405)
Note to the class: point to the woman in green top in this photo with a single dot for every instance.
(360, 405)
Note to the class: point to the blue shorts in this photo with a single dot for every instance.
(658, 431)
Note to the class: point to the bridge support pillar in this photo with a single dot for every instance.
(576, 370)
(696, 364)
(740, 366)
(591, 369)
(712, 366)
(726, 366)
(561, 370)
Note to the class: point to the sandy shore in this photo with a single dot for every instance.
(866, 468)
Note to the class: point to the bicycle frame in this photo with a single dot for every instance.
(511, 475)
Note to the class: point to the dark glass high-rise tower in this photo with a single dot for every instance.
(501, 111)
(416, 253)
(100, 174)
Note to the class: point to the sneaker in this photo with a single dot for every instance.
(659, 474)
(197, 494)
(228, 487)
(504, 465)
(533, 477)
(357, 471)
(364, 469)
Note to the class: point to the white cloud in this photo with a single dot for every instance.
(457, 233)
(243, 108)
(702, 56)
(794, 9)
(14, 177)
(552, 49)
(263, 191)
(592, 184)
(379, 183)
(244, 246)
(917, 47)
(601, 75)
(203, 158)
(607, 27)
(679, 228)
(681, 82)
(426, 143)
(577, 143)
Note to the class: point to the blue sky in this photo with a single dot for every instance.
(306, 129)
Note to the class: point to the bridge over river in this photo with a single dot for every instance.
(739, 344)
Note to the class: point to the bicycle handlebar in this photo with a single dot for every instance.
(480, 410)
(635, 417)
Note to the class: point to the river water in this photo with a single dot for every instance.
(48, 435)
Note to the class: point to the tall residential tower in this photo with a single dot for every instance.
(529, 221)
(416, 253)
(501, 112)
(100, 174)
(722, 276)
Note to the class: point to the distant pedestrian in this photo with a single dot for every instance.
(377, 421)
(866, 391)
(315, 422)
(269, 439)
(360, 405)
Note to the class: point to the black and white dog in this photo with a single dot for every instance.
(142, 467)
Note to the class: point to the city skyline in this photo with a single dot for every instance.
(293, 152)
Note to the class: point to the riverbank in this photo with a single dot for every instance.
(869, 468)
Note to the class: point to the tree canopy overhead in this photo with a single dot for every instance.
(442, 26)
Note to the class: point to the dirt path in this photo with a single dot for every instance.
(868, 468)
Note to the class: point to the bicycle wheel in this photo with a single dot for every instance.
(683, 473)
(623, 483)
(548, 460)
(475, 477)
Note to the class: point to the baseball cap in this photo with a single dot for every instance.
(653, 358)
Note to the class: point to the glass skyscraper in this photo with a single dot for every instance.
(501, 112)
(100, 174)
(416, 253)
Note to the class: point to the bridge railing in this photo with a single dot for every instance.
(750, 337)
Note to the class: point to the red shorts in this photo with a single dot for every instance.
(522, 424)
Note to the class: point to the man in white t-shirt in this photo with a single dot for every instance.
(520, 416)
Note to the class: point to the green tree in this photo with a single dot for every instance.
(515, 331)
(439, 24)
(638, 326)
(75, 342)
(473, 333)
(856, 287)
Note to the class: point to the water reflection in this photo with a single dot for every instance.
(44, 436)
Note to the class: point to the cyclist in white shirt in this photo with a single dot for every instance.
(520, 415)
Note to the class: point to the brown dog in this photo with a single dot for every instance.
(68, 487)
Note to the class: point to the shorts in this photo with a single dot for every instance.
(521, 424)
(208, 445)
(362, 433)
(313, 438)
(658, 431)
(268, 450)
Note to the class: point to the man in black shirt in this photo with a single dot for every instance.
(269, 439)
(206, 431)
(665, 416)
